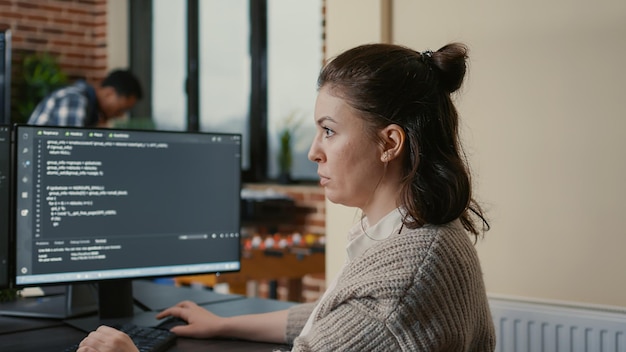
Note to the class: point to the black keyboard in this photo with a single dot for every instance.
(145, 338)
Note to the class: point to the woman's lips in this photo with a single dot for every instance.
(323, 180)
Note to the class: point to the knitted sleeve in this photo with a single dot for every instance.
(296, 319)
(421, 291)
(348, 328)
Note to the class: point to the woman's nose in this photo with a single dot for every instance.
(314, 153)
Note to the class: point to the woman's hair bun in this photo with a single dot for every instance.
(450, 62)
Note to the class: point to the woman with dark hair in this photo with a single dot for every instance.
(388, 144)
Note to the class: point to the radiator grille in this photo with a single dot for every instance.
(528, 326)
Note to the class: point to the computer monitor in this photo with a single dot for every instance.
(5, 204)
(108, 206)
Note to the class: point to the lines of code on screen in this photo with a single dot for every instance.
(101, 197)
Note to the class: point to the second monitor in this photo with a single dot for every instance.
(108, 206)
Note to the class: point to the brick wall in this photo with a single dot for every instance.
(310, 213)
(73, 30)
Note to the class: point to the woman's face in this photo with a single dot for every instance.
(348, 159)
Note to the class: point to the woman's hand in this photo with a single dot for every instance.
(265, 327)
(107, 339)
(200, 322)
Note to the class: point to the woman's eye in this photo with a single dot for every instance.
(328, 132)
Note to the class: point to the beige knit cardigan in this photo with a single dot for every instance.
(420, 290)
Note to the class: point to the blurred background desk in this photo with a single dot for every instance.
(276, 268)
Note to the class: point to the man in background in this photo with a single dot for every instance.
(84, 105)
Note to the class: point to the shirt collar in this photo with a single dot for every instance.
(362, 236)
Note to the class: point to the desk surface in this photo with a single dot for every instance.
(57, 338)
(31, 334)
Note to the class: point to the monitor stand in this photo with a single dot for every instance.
(137, 302)
(71, 301)
(116, 305)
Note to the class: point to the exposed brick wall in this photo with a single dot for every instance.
(73, 30)
(310, 214)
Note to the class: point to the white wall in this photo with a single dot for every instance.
(544, 114)
(117, 34)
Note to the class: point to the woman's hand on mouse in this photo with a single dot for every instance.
(200, 322)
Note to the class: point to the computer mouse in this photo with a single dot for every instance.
(170, 322)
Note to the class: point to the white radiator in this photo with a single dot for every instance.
(536, 326)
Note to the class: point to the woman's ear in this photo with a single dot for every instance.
(392, 137)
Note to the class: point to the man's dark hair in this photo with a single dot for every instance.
(125, 83)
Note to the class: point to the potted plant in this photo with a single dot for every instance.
(285, 158)
(290, 127)
(40, 75)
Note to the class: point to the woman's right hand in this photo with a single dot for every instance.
(200, 322)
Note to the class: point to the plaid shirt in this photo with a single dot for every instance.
(74, 105)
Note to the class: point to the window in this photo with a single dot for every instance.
(224, 68)
(294, 60)
(169, 49)
(257, 64)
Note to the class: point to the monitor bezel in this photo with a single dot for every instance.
(9, 241)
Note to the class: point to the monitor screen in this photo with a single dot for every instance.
(5, 204)
(112, 205)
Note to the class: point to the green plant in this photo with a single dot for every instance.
(40, 75)
(285, 158)
(8, 294)
(291, 124)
